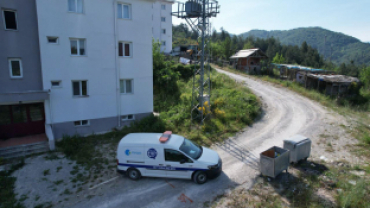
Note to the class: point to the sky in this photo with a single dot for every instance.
(351, 17)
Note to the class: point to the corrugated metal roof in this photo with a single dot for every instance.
(334, 78)
(243, 53)
(298, 67)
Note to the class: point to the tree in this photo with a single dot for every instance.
(278, 59)
(248, 45)
(365, 77)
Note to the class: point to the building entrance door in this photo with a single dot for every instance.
(21, 120)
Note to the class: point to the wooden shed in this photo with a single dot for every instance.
(248, 60)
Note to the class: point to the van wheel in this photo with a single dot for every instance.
(133, 174)
(200, 177)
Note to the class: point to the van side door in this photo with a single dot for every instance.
(177, 164)
(154, 162)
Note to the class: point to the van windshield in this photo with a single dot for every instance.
(192, 150)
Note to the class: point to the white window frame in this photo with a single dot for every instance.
(163, 19)
(124, 87)
(11, 69)
(47, 38)
(125, 117)
(129, 11)
(164, 31)
(81, 125)
(16, 18)
(83, 7)
(59, 86)
(78, 46)
(163, 43)
(163, 7)
(124, 48)
(80, 85)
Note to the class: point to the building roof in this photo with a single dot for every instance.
(334, 78)
(246, 53)
(298, 67)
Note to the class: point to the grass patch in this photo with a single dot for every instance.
(58, 182)
(306, 188)
(46, 172)
(59, 168)
(7, 195)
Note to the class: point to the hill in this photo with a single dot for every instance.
(344, 48)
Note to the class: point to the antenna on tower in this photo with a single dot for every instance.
(197, 14)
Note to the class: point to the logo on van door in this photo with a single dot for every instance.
(152, 153)
(128, 153)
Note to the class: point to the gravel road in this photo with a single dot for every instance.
(285, 114)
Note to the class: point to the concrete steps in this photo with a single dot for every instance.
(24, 150)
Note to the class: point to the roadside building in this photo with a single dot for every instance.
(333, 85)
(162, 24)
(75, 67)
(248, 61)
(297, 73)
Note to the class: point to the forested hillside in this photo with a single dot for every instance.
(344, 48)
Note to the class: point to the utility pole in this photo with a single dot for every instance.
(324, 47)
(197, 14)
(203, 28)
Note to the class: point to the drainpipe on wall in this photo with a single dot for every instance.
(118, 71)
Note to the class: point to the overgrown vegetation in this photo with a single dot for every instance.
(7, 196)
(307, 185)
(232, 105)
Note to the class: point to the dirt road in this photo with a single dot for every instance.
(285, 114)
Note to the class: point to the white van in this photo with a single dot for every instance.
(166, 155)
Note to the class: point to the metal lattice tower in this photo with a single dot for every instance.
(197, 14)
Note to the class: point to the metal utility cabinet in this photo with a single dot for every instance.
(273, 161)
(299, 147)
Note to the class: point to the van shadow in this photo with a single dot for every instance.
(301, 186)
(241, 153)
(186, 192)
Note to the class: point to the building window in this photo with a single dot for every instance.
(124, 11)
(163, 6)
(19, 114)
(164, 31)
(126, 86)
(53, 40)
(82, 123)
(128, 117)
(56, 84)
(78, 47)
(163, 19)
(79, 88)
(163, 43)
(5, 115)
(125, 49)
(15, 68)
(75, 6)
(10, 20)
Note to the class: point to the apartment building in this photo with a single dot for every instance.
(162, 24)
(75, 66)
(22, 95)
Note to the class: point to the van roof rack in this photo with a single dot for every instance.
(165, 136)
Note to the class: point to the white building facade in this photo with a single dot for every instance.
(162, 24)
(96, 60)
